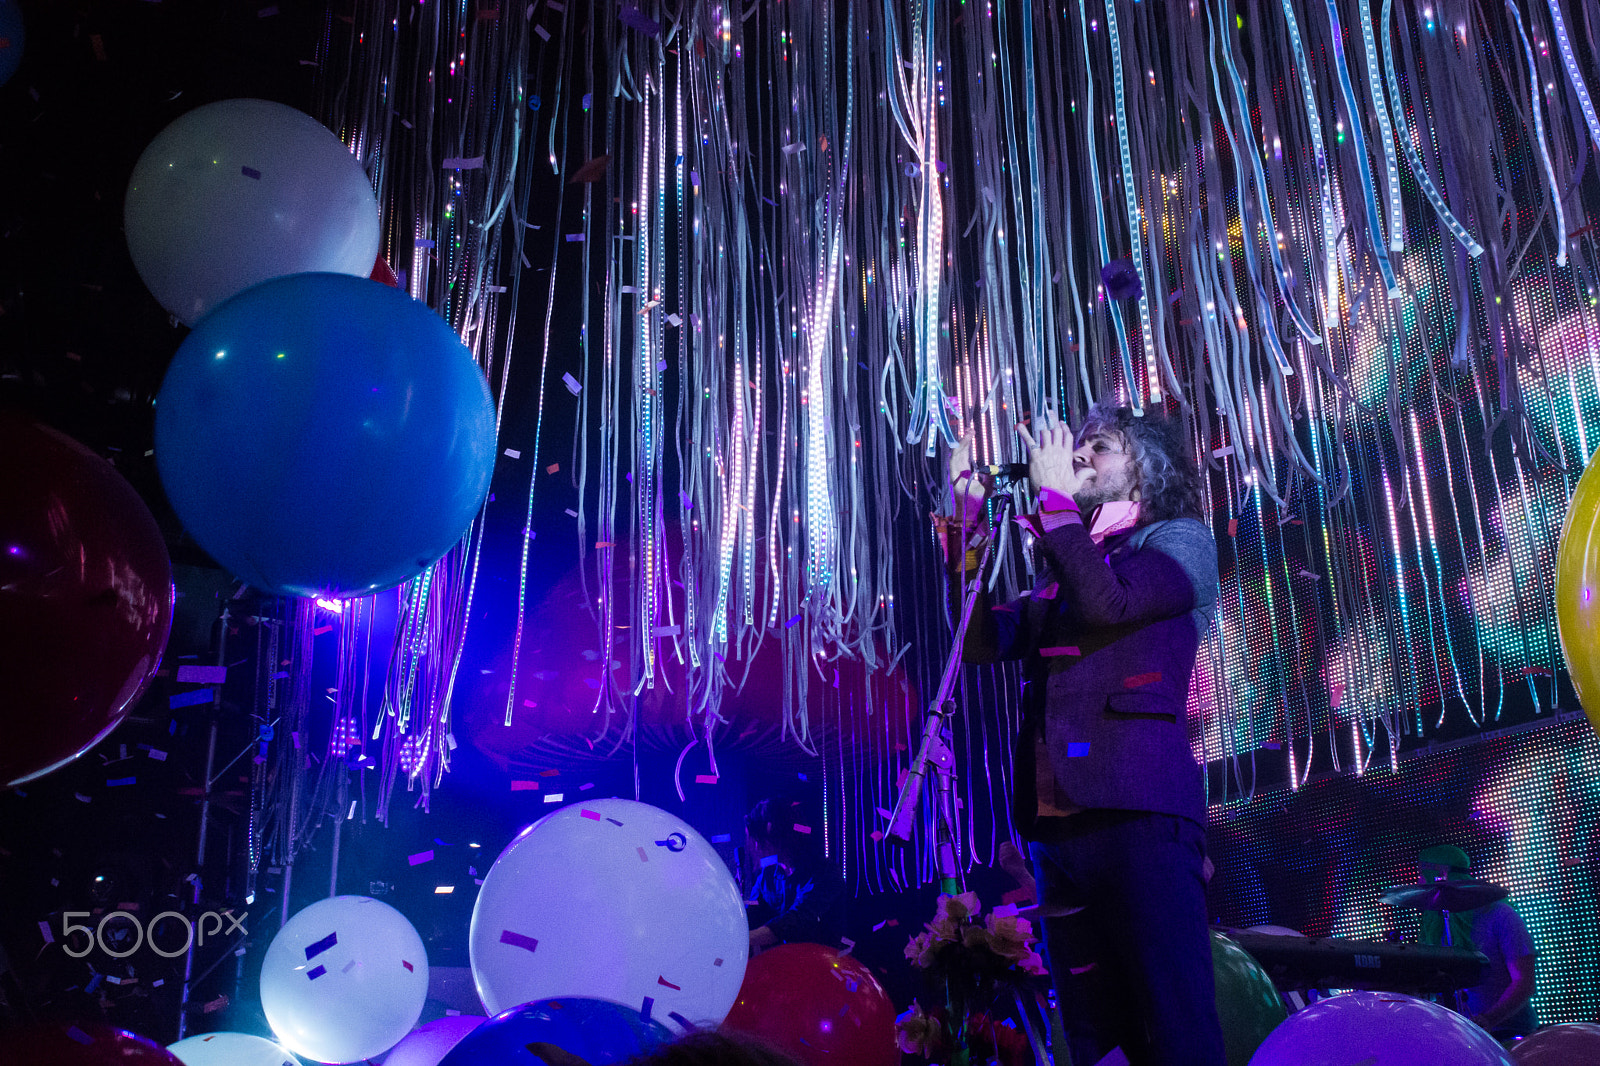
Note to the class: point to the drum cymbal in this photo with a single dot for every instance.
(1443, 895)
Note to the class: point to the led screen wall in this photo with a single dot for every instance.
(1525, 806)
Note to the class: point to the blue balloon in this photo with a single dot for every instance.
(596, 1031)
(324, 435)
(11, 39)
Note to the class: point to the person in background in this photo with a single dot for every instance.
(802, 889)
(1503, 1001)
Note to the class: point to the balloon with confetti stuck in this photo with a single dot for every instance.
(344, 980)
(615, 900)
(239, 191)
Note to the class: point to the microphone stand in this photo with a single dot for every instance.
(935, 749)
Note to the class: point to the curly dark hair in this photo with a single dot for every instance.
(1169, 483)
(708, 1048)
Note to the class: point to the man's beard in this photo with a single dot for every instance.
(1097, 492)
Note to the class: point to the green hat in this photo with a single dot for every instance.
(1445, 855)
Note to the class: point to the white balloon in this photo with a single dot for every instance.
(231, 1049)
(344, 980)
(239, 191)
(427, 1044)
(613, 900)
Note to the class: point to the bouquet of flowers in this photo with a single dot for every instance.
(973, 960)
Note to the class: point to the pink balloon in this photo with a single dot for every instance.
(1572, 1044)
(1378, 1029)
(427, 1044)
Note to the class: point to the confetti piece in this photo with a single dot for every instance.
(475, 163)
(250, 172)
(189, 699)
(315, 973)
(544, 35)
(553, 468)
(202, 675)
(1048, 592)
(705, 779)
(669, 984)
(644, 1010)
(769, 860)
(524, 786)
(613, 821)
(722, 838)
(121, 781)
(573, 238)
(1233, 527)
(571, 512)
(313, 950)
(1016, 896)
(512, 453)
(666, 631)
(421, 857)
(1222, 452)
(806, 829)
(1139, 680)
(586, 787)
(1306, 573)
(571, 383)
(591, 170)
(79, 1035)
(44, 930)
(793, 149)
(517, 940)
(885, 814)
(349, 966)
(791, 623)
(409, 968)
(683, 1022)
(1078, 749)
(423, 242)
(673, 320)
(553, 797)
(632, 17)
(1067, 649)
(642, 856)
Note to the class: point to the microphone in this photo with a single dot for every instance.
(1005, 473)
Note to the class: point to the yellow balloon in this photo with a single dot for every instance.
(1578, 590)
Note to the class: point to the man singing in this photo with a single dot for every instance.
(1108, 791)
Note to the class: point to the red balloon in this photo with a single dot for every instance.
(382, 271)
(85, 1044)
(85, 599)
(821, 1007)
(1572, 1044)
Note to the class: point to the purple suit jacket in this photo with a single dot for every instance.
(1107, 660)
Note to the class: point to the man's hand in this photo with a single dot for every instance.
(1050, 456)
(966, 485)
